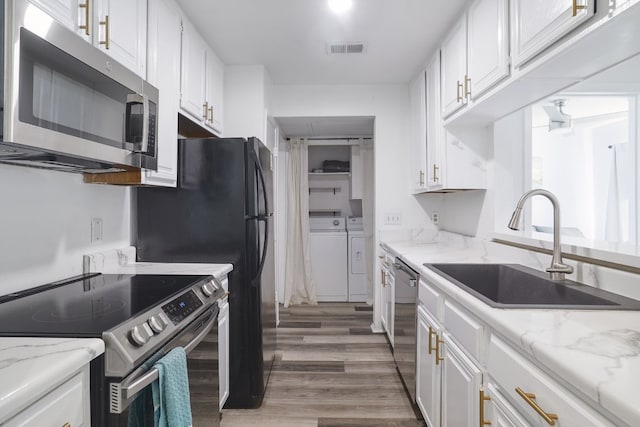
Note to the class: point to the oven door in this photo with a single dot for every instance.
(200, 341)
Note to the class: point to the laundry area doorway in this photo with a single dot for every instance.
(326, 222)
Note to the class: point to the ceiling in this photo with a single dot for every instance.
(290, 37)
(326, 127)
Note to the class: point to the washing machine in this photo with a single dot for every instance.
(328, 247)
(357, 276)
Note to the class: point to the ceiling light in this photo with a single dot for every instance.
(340, 6)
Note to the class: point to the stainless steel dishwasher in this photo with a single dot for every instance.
(404, 325)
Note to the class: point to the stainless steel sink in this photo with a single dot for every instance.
(517, 286)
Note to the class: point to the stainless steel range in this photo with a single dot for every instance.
(140, 318)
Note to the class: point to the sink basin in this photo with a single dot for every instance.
(517, 286)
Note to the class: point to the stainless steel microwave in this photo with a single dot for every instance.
(67, 105)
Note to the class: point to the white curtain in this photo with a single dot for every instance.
(298, 284)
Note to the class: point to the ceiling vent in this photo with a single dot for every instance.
(346, 48)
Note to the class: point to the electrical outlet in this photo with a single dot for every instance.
(96, 230)
(435, 218)
(392, 218)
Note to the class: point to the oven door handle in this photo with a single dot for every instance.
(125, 393)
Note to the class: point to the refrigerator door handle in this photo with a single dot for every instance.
(264, 218)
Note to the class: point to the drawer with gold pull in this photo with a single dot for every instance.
(534, 393)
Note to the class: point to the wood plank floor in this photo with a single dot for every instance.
(330, 371)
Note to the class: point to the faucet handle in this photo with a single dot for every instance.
(558, 270)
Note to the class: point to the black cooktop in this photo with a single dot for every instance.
(86, 306)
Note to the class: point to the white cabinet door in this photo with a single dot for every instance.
(73, 14)
(499, 412)
(192, 73)
(537, 24)
(428, 373)
(487, 44)
(434, 126)
(223, 352)
(461, 382)
(163, 71)
(418, 133)
(384, 315)
(120, 30)
(215, 84)
(454, 68)
(391, 311)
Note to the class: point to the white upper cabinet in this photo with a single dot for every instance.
(488, 45)
(434, 128)
(117, 27)
(202, 80)
(193, 73)
(214, 87)
(120, 30)
(475, 55)
(74, 14)
(454, 68)
(537, 24)
(418, 134)
(163, 72)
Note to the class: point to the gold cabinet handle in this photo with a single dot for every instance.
(530, 398)
(483, 399)
(225, 296)
(421, 178)
(459, 92)
(105, 42)
(435, 173)
(439, 342)
(87, 17)
(383, 278)
(210, 115)
(66, 425)
(467, 86)
(431, 334)
(205, 109)
(577, 7)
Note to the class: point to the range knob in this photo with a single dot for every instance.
(157, 324)
(207, 289)
(138, 336)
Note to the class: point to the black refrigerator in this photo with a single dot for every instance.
(220, 213)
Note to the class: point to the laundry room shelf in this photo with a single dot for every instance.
(325, 212)
(333, 190)
(334, 174)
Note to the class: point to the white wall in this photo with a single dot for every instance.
(389, 104)
(45, 224)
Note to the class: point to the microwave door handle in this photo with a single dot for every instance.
(136, 98)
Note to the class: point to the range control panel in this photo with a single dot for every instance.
(182, 306)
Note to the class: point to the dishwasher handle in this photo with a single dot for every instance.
(413, 276)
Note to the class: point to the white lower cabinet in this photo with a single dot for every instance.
(535, 394)
(467, 375)
(428, 371)
(499, 411)
(461, 383)
(223, 351)
(68, 404)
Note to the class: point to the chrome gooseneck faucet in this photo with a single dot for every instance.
(557, 268)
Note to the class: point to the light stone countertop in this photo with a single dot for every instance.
(595, 353)
(123, 261)
(32, 367)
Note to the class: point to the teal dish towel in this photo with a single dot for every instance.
(171, 400)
